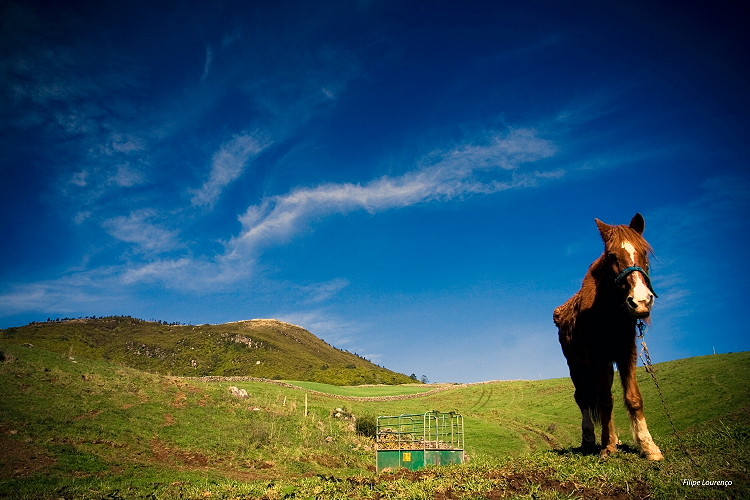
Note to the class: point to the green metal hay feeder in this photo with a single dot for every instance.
(417, 440)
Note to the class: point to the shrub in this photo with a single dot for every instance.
(367, 425)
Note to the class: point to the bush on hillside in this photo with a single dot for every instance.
(367, 425)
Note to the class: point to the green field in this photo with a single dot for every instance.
(84, 428)
(363, 391)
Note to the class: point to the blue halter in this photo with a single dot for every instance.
(632, 269)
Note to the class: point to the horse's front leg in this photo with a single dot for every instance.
(634, 404)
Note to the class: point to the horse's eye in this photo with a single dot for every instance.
(612, 258)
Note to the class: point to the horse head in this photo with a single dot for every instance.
(627, 252)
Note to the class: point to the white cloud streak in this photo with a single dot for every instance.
(160, 270)
(321, 292)
(497, 164)
(67, 294)
(227, 165)
(207, 64)
(138, 229)
(464, 170)
(492, 166)
(330, 327)
(689, 232)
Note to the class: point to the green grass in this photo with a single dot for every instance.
(362, 391)
(86, 428)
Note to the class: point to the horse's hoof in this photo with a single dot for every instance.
(607, 452)
(656, 456)
(589, 448)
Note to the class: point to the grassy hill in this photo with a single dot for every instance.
(91, 428)
(260, 348)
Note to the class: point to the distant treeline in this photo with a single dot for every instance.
(63, 320)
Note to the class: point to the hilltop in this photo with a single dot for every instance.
(261, 348)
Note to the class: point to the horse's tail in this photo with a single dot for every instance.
(596, 413)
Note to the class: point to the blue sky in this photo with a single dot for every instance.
(415, 182)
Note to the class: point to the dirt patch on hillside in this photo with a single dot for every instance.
(176, 456)
(21, 459)
(330, 461)
(180, 400)
(87, 415)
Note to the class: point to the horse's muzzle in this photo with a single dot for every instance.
(640, 308)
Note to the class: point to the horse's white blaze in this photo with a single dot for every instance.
(640, 292)
(628, 247)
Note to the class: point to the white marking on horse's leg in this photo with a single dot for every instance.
(613, 432)
(643, 439)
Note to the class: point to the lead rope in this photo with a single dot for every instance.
(646, 360)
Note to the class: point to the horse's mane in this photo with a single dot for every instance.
(617, 234)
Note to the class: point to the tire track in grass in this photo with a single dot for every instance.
(478, 403)
(398, 397)
(545, 436)
(484, 399)
(530, 433)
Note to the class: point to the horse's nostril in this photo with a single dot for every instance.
(640, 304)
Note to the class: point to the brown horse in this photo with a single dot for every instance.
(597, 328)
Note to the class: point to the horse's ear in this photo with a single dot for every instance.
(603, 229)
(638, 224)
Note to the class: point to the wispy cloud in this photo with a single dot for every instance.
(499, 162)
(67, 294)
(228, 164)
(164, 271)
(330, 327)
(207, 64)
(486, 168)
(688, 234)
(320, 292)
(127, 176)
(139, 230)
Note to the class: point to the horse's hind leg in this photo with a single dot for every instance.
(588, 436)
(605, 405)
(585, 399)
